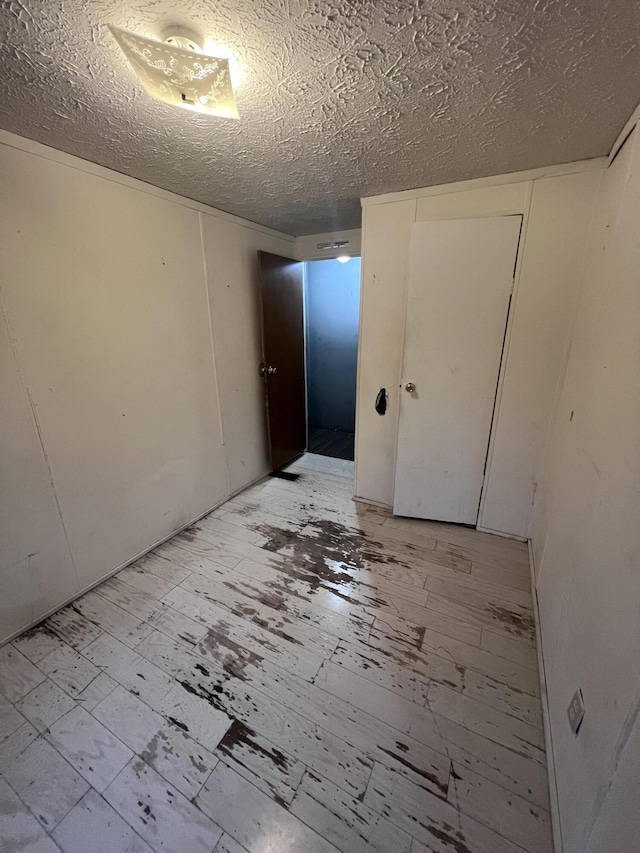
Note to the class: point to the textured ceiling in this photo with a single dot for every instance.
(339, 100)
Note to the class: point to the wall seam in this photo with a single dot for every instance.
(570, 336)
(399, 377)
(553, 417)
(356, 442)
(627, 729)
(205, 270)
(38, 428)
(525, 212)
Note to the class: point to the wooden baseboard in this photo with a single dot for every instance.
(372, 503)
(501, 533)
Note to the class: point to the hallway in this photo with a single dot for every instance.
(331, 442)
(295, 672)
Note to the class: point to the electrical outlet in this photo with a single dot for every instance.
(575, 711)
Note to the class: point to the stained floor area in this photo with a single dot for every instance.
(295, 672)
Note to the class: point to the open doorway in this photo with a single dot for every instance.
(332, 300)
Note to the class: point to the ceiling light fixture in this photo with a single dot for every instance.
(177, 72)
(343, 258)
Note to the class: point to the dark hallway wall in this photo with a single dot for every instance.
(333, 297)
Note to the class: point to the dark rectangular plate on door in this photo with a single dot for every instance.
(281, 294)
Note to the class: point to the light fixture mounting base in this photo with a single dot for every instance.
(182, 37)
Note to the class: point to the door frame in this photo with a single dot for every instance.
(305, 318)
(522, 211)
(330, 255)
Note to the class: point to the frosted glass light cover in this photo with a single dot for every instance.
(182, 78)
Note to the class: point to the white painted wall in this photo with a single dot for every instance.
(586, 538)
(233, 276)
(556, 207)
(116, 398)
(385, 255)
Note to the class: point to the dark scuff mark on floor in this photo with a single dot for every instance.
(290, 575)
(329, 541)
(179, 724)
(202, 768)
(327, 559)
(209, 696)
(150, 752)
(147, 811)
(70, 627)
(420, 632)
(445, 835)
(272, 599)
(240, 735)
(247, 509)
(241, 610)
(187, 639)
(233, 657)
(273, 629)
(409, 660)
(43, 629)
(430, 777)
(190, 534)
(520, 624)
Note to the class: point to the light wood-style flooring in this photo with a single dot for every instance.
(295, 673)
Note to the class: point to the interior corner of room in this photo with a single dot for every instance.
(477, 357)
(561, 469)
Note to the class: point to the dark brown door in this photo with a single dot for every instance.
(283, 352)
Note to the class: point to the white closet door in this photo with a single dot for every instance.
(459, 288)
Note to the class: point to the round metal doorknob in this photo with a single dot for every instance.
(271, 370)
(410, 387)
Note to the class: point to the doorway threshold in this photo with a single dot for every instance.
(331, 442)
